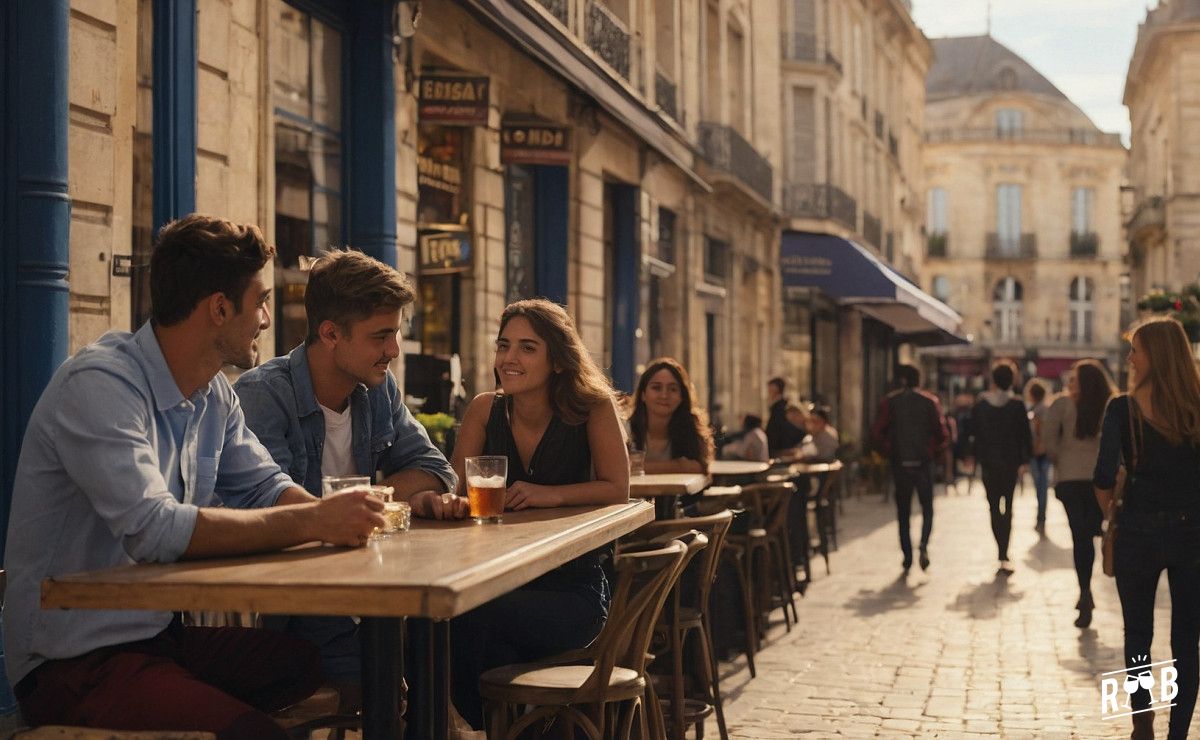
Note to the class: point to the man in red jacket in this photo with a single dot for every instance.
(910, 429)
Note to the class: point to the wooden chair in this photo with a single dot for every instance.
(686, 612)
(776, 578)
(607, 678)
(824, 509)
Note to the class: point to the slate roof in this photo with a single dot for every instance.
(971, 65)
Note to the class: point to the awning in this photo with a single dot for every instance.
(851, 275)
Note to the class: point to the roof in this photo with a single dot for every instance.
(970, 65)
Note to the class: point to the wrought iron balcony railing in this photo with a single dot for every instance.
(820, 201)
(798, 47)
(665, 95)
(1010, 247)
(1027, 136)
(937, 244)
(557, 8)
(872, 231)
(725, 149)
(608, 37)
(1085, 243)
(833, 61)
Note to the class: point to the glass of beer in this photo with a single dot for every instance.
(384, 494)
(336, 483)
(486, 478)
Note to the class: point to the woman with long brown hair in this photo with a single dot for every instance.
(555, 420)
(666, 423)
(1154, 430)
(1071, 433)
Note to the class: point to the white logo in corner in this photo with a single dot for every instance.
(1159, 679)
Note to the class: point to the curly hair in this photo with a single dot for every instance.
(580, 385)
(687, 429)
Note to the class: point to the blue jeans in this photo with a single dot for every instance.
(1039, 467)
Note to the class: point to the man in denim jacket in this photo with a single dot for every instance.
(332, 407)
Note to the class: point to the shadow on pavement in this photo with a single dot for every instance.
(1046, 555)
(896, 595)
(985, 600)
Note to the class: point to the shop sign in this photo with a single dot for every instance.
(460, 101)
(444, 251)
(535, 144)
(444, 176)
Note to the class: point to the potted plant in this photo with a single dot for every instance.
(439, 427)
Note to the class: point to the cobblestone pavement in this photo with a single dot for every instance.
(955, 652)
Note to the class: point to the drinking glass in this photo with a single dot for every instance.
(334, 483)
(398, 515)
(486, 477)
(637, 462)
(384, 494)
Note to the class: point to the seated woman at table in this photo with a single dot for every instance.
(751, 445)
(666, 422)
(555, 420)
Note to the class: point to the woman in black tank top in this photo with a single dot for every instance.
(556, 423)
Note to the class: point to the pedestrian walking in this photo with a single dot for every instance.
(1071, 432)
(1039, 464)
(782, 434)
(1003, 444)
(911, 431)
(1154, 430)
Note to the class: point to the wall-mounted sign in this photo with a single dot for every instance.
(462, 101)
(443, 176)
(444, 251)
(535, 144)
(122, 265)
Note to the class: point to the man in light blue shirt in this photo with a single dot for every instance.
(332, 407)
(136, 452)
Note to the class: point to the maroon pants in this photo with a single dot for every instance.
(212, 679)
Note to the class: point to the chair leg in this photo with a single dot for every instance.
(652, 713)
(677, 698)
(714, 683)
(747, 615)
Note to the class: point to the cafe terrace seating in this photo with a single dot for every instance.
(600, 689)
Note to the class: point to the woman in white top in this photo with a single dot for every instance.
(1071, 432)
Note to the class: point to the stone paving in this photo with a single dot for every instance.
(955, 652)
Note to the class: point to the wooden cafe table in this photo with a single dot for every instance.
(435, 571)
(666, 488)
(729, 472)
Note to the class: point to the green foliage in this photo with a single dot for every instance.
(1183, 305)
(436, 425)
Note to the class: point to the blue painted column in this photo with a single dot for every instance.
(371, 143)
(552, 188)
(626, 265)
(174, 110)
(36, 216)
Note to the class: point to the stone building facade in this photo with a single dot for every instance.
(1023, 230)
(1162, 92)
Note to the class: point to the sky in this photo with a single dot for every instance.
(1082, 46)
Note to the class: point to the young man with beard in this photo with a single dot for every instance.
(137, 452)
(332, 407)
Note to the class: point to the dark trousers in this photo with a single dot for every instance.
(918, 477)
(1147, 544)
(1000, 482)
(1039, 468)
(519, 627)
(799, 538)
(212, 679)
(1084, 516)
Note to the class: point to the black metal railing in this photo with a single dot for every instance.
(1084, 243)
(872, 231)
(557, 8)
(1010, 247)
(798, 47)
(665, 95)
(820, 201)
(608, 37)
(725, 149)
(833, 61)
(1029, 136)
(937, 244)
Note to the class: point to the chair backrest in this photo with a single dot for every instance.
(645, 574)
(704, 567)
(829, 480)
(770, 501)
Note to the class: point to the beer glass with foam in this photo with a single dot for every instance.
(486, 478)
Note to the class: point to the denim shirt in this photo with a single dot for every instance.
(114, 464)
(281, 407)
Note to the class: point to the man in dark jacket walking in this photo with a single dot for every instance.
(911, 430)
(1003, 443)
(781, 433)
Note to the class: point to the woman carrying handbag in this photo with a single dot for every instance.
(1155, 430)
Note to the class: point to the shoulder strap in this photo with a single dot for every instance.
(1135, 443)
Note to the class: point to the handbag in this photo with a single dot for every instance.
(1124, 478)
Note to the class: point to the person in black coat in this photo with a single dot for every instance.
(1003, 443)
(781, 433)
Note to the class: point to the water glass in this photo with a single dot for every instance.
(335, 483)
(486, 479)
(637, 463)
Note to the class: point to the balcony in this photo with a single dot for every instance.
(833, 61)
(1010, 248)
(725, 149)
(1081, 137)
(557, 8)
(665, 95)
(820, 201)
(1148, 221)
(937, 245)
(1085, 244)
(607, 36)
(872, 231)
(798, 47)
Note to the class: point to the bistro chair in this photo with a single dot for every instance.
(607, 678)
(686, 612)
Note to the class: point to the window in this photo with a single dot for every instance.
(1008, 219)
(1009, 123)
(1006, 310)
(1079, 304)
(666, 236)
(734, 58)
(941, 288)
(306, 95)
(716, 260)
(664, 37)
(1007, 79)
(1081, 210)
(935, 217)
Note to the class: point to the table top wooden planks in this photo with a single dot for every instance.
(667, 484)
(739, 468)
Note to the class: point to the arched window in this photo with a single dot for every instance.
(1079, 305)
(1007, 78)
(941, 288)
(1006, 309)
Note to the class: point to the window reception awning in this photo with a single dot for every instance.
(851, 275)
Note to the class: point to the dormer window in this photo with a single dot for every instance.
(1007, 79)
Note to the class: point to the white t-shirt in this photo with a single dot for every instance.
(337, 457)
